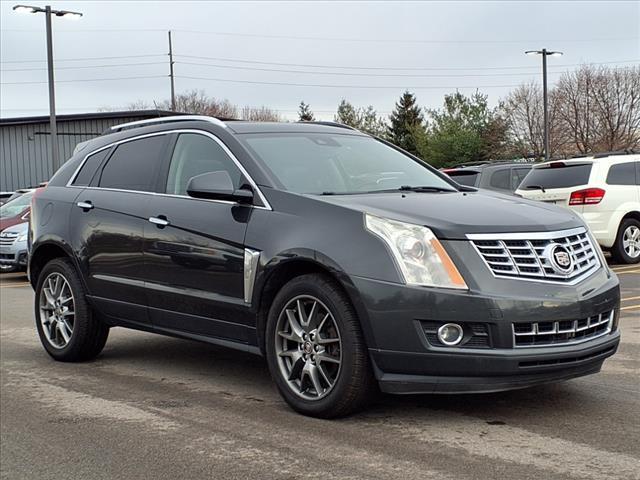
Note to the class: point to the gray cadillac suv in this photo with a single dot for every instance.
(348, 263)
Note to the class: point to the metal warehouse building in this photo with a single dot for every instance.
(25, 148)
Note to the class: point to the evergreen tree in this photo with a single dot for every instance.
(347, 114)
(364, 119)
(304, 113)
(405, 119)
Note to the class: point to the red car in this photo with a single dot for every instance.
(17, 209)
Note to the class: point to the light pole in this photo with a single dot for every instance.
(52, 96)
(545, 53)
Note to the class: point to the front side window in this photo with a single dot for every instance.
(622, 174)
(134, 164)
(318, 163)
(193, 155)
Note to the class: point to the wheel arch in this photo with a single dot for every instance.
(43, 253)
(287, 266)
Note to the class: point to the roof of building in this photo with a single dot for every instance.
(87, 116)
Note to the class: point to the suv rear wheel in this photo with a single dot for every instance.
(315, 349)
(627, 246)
(67, 328)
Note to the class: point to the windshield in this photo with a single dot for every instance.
(15, 206)
(558, 175)
(332, 163)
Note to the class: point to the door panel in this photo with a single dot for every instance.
(195, 266)
(107, 239)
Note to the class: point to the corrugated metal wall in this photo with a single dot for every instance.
(25, 150)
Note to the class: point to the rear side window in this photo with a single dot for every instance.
(133, 165)
(622, 174)
(470, 179)
(559, 175)
(517, 175)
(89, 168)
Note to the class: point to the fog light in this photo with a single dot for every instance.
(450, 334)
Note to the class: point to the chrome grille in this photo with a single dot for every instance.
(540, 334)
(7, 239)
(526, 255)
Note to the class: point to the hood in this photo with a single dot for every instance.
(20, 228)
(453, 215)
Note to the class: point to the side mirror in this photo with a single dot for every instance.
(217, 186)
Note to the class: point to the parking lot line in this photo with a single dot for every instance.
(14, 285)
(637, 270)
(630, 298)
(623, 268)
(630, 307)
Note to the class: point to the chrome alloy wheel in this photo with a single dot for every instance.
(308, 347)
(631, 241)
(57, 312)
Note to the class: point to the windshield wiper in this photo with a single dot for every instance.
(409, 188)
(535, 187)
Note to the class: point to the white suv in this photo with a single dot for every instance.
(603, 189)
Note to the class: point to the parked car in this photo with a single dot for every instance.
(13, 248)
(499, 176)
(346, 262)
(17, 209)
(603, 189)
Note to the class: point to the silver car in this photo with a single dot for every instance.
(13, 248)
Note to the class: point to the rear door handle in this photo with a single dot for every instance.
(160, 221)
(85, 205)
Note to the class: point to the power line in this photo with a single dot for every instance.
(343, 67)
(79, 59)
(321, 85)
(87, 80)
(384, 39)
(84, 66)
(350, 74)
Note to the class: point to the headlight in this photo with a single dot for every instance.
(421, 258)
(23, 237)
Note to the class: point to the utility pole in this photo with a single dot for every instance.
(52, 94)
(55, 162)
(173, 85)
(545, 53)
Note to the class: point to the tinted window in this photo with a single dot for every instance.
(133, 165)
(622, 174)
(322, 163)
(89, 168)
(501, 179)
(559, 175)
(469, 179)
(517, 175)
(194, 155)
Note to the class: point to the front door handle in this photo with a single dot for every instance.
(85, 205)
(160, 221)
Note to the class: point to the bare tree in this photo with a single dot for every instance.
(259, 114)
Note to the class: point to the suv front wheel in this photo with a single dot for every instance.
(315, 349)
(66, 325)
(627, 246)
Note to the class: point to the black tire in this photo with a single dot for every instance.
(354, 382)
(89, 334)
(618, 251)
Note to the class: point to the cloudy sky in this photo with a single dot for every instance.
(279, 53)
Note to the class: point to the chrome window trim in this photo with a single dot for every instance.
(524, 236)
(254, 185)
(172, 118)
(251, 258)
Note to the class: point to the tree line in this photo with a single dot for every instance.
(592, 109)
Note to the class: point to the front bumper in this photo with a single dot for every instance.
(406, 361)
(14, 257)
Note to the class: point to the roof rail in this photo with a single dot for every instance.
(329, 124)
(160, 120)
(626, 151)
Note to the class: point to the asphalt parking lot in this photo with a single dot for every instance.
(162, 408)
